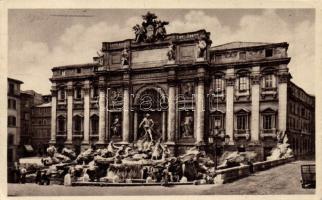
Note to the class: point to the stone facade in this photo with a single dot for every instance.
(191, 91)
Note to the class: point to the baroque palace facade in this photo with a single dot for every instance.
(185, 90)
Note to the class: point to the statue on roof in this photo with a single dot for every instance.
(201, 48)
(151, 29)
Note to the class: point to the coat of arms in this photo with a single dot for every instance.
(151, 29)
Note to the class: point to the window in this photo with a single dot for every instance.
(242, 55)
(61, 124)
(94, 125)
(11, 121)
(62, 94)
(217, 122)
(269, 81)
(11, 139)
(218, 85)
(12, 104)
(78, 93)
(78, 71)
(78, 122)
(11, 88)
(268, 121)
(10, 155)
(243, 83)
(242, 121)
(268, 52)
(95, 92)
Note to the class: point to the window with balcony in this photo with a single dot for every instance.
(268, 120)
(269, 81)
(243, 85)
(242, 122)
(218, 86)
(268, 123)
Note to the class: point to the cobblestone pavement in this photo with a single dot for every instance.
(283, 179)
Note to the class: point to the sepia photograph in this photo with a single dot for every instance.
(132, 102)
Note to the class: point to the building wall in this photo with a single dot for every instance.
(41, 119)
(301, 121)
(14, 129)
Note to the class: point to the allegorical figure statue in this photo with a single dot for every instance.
(187, 125)
(139, 32)
(116, 126)
(147, 124)
(201, 48)
(171, 52)
(160, 31)
(125, 56)
(188, 90)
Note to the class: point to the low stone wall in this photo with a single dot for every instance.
(231, 174)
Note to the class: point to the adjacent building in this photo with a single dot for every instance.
(14, 124)
(237, 93)
(41, 118)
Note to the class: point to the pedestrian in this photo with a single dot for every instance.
(68, 179)
(23, 173)
(38, 177)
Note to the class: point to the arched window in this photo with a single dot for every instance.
(61, 124)
(78, 124)
(94, 124)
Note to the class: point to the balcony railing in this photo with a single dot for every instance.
(242, 133)
(78, 134)
(268, 133)
(61, 134)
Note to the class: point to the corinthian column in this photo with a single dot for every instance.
(200, 108)
(126, 115)
(255, 104)
(102, 107)
(283, 78)
(69, 113)
(86, 112)
(53, 115)
(230, 82)
(171, 108)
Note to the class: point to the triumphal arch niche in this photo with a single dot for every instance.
(160, 80)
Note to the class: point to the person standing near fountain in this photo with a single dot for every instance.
(147, 124)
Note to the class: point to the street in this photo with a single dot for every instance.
(283, 179)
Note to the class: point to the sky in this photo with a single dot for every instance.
(40, 39)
